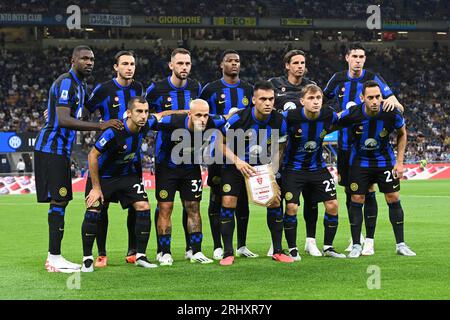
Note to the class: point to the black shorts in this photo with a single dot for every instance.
(186, 181)
(233, 182)
(214, 178)
(53, 177)
(125, 189)
(360, 179)
(343, 166)
(320, 185)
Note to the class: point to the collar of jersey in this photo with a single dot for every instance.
(302, 111)
(119, 85)
(257, 121)
(75, 76)
(173, 86)
(363, 73)
(229, 84)
(363, 106)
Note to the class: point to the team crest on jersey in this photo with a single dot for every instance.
(226, 188)
(383, 133)
(343, 89)
(298, 134)
(245, 101)
(288, 196)
(96, 204)
(163, 194)
(222, 96)
(116, 99)
(283, 89)
(63, 191)
(354, 186)
(169, 99)
(323, 134)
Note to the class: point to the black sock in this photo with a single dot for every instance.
(370, 214)
(242, 214)
(196, 241)
(158, 247)
(290, 230)
(310, 214)
(348, 202)
(214, 219)
(89, 231)
(142, 228)
(131, 225)
(102, 231)
(275, 223)
(227, 229)
(164, 242)
(331, 224)
(396, 216)
(187, 237)
(356, 218)
(55, 228)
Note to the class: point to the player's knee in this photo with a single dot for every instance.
(192, 207)
(291, 209)
(165, 209)
(229, 202)
(358, 198)
(141, 206)
(392, 197)
(59, 203)
(331, 207)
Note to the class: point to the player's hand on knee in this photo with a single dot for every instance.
(246, 169)
(398, 170)
(94, 196)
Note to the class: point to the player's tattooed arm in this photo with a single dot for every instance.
(401, 146)
(391, 103)
(66, 121)
(96, 193)
(246, 169)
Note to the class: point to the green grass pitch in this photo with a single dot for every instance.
(24, 240)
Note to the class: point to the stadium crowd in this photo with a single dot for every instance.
(391, 9)
(419, 79)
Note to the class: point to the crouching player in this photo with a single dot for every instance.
(305, 168)
(114, 175)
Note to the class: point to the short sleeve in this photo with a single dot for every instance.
(330, 89)
(399, 120)
(95, 100)
(385, 90)
(105, 140)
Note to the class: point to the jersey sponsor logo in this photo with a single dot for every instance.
(102, 142)
(129, 157)
(63, 191)
(383, 133)
(350, 104)
(255, 150)
(288, 196)
(163, 194)
(310, 146)
(359, 130)
(245, 101)
(289, 106)
(370, 144)
(354, 186)
(226, 188)
(299, 134)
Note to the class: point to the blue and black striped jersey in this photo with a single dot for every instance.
(68, 92)
(370, 147)
(305, 138)
(251, 139)
(167, 151)
(111, 99)
(287, 95)
(120, 150)
(163, 95)
(346, 92)
(222, 96)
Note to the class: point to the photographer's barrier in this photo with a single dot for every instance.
(26, 185)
